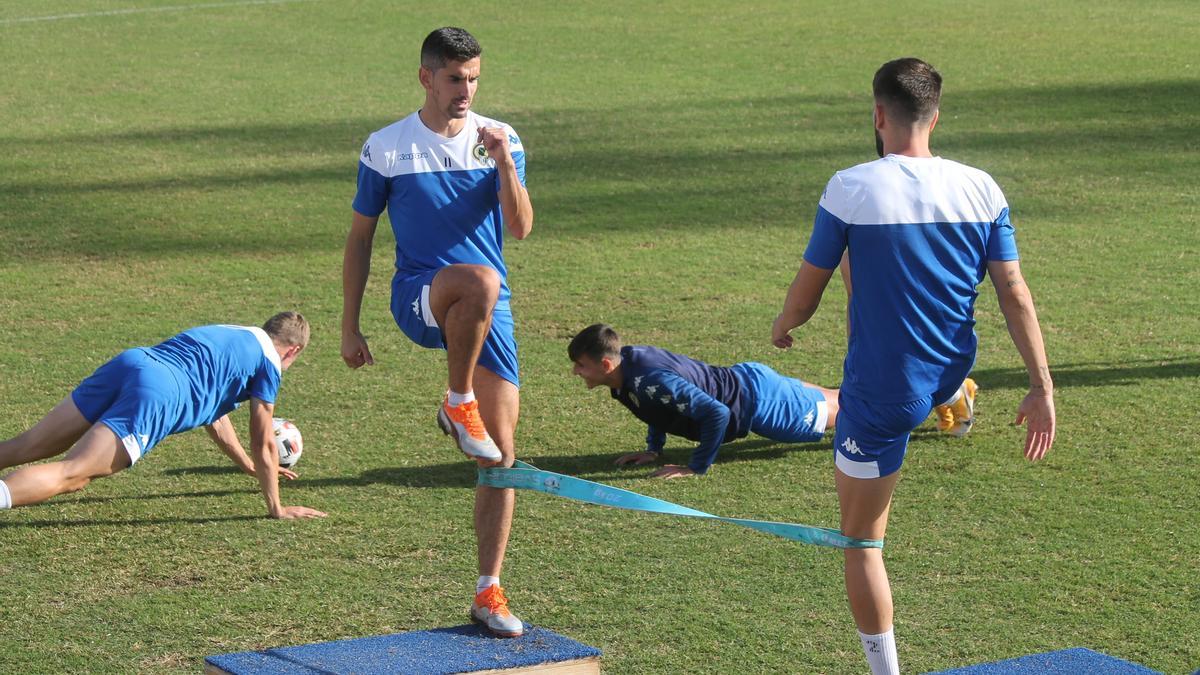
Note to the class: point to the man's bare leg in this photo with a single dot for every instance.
(98, 453)
(865, 504)
(499, 405)
(53, 435)
(462, 298)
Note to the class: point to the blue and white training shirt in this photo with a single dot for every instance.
(218, 367)
(440, 194)
(920, 232)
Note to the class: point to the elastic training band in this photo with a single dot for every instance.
(523, 476)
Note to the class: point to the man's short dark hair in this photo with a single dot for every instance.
(909, 89)
(448, 44)
(596, 342)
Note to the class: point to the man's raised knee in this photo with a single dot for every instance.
(483, 281)
(468, 285)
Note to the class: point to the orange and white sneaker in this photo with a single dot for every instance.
(465, 426)
(491, 610)
(956, 417)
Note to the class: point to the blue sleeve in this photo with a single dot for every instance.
(519, 160)
(372, 195)
(1002, 240)
(656, 439)
(828, 241)
(264, 386)
(691, 401)
(517, 148)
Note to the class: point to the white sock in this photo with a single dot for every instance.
(5, 496)
(456, 399)
(881, 652)
(484, 582)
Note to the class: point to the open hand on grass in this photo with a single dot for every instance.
(673, 471)
(637, 458)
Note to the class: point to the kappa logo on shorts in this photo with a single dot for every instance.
(417, 307)
(851, 447)
(651, 389)
(637, 381)
(809, 417)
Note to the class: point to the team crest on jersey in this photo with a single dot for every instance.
(480, 154)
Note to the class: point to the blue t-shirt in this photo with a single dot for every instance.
(684, 397)
(441, 195)
(217, 367)
(920, 232)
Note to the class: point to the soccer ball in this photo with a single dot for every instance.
(288, 442)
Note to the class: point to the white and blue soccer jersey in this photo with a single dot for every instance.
(920, 232)
(440, 194)
(193, 379)
(218, 367)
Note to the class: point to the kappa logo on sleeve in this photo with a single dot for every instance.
(366, 151)
(851, 447)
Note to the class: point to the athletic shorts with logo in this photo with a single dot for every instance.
(134, 395)
(872, 438)
(782, 408)
(410, 308)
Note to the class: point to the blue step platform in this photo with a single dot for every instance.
(1064, 662)
(441, 651)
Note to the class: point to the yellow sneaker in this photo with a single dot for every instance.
(491, 609)
(465, 426)
(956, 418)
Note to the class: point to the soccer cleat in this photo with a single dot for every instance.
(491, 610)
(465, 426)
(956, 418)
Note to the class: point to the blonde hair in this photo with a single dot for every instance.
(289, 328)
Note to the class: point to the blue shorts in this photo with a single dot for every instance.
(782, 408)
(410, 308)
(872, 438)
(135, 396)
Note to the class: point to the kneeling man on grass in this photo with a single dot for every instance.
(676, 395)
(120, 412)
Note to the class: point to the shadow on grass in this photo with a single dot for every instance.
(582, 162)
(594, 467)
(1122, 374)
(105, 522)
(168, 495)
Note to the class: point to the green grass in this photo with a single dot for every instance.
(163, 170)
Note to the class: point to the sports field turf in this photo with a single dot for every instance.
(164, 169)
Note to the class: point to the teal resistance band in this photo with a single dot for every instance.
(527, 477)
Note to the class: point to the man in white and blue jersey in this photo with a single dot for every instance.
(452, 182)
(712, 405)
(920, 232)
(131, 403)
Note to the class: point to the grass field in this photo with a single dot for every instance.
(164, 169)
